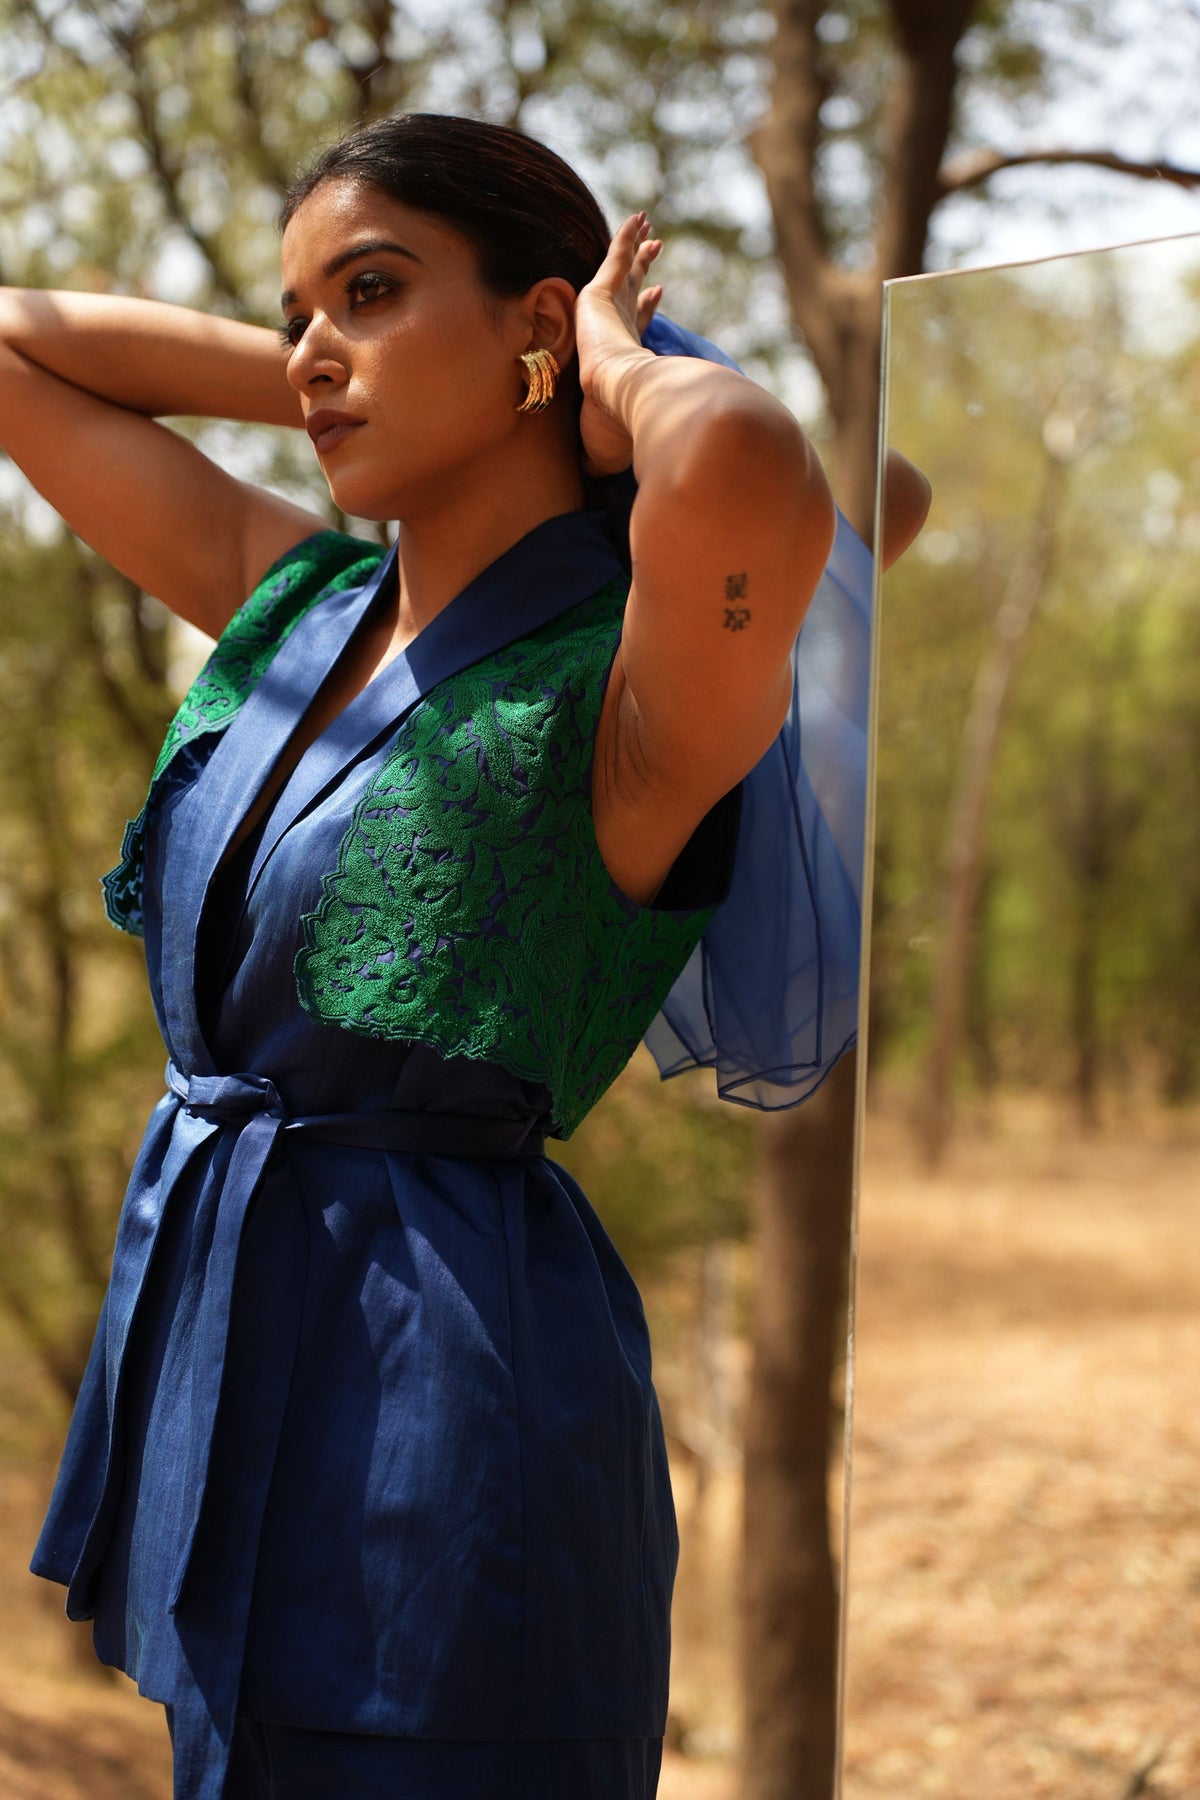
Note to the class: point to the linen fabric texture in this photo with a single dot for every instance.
(281, 1762)
(368, 1441)
(768, 998)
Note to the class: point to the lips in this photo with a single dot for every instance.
(327, 428)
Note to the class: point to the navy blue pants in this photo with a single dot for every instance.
(284, 1762)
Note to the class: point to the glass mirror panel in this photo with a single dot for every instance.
(1023, 1610)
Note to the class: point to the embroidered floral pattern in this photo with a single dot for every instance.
(321, 565)
(471, 909)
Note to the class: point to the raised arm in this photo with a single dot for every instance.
(907, 497)
(730, 531)
(83, 380)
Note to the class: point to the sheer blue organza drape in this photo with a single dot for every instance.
(769, 998)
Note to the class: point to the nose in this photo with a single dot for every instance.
(318, 357)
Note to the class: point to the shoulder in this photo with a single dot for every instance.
(307, 573)
(324, 563)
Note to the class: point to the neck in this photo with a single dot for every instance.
(442, 546)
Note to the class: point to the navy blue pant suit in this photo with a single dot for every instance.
(366, 1482)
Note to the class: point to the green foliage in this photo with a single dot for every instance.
(78, 1051)
(151, 150)
(146, 145)
(1088, 939)
(1003, 56)
(666, 1164)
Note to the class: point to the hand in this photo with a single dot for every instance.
(610, 316)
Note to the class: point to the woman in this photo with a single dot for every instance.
(366, 1481)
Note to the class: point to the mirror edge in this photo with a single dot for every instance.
(864, 988)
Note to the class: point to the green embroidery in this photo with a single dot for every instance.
(320, 565)
(470, 909)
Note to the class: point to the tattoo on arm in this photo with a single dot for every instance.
(736, 617)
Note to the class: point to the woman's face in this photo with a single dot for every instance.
(387, 326)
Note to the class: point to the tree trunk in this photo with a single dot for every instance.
(1085, 1025)
(790, 1587)
(963, 852)
(981, 1050)
(791, 1603)
(789, 1621)
(1092, 839)
(853, 387)
(790, 1591)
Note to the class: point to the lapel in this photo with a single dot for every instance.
(560, 562)
(206, 820)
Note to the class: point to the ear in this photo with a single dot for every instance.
(548, 313)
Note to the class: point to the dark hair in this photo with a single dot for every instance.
(525, 211)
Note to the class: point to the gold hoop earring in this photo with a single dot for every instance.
(542, 371)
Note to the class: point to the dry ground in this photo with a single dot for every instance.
(1024, 1582)
(1024, 1614)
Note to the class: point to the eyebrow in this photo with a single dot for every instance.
(336, 263)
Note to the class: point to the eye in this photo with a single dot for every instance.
(363, 288)
(369, 285)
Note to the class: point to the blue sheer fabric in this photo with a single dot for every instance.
(769, 998)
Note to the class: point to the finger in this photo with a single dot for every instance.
(636, 229)
(647, 303)
(623, 249)
(647, 254)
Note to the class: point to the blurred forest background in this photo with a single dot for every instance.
(1037, 861)
(1024, 1581)
(791, 156)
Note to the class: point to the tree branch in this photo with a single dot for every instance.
(141, 731)
(149, 642)
(786, 142)
(14, 974)
(245, 90)
(23, 81)
(920, 112)
(168, 172)
(525, 81)
(44, 1340)
(975, 167)
(128, 45)
(1028, 581)
(76, 1223)
(371, 78)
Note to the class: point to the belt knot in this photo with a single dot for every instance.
(234, 1098)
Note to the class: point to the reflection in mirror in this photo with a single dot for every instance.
(1023, 1613)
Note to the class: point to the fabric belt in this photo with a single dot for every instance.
(204, 1722)
(237, 1099)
